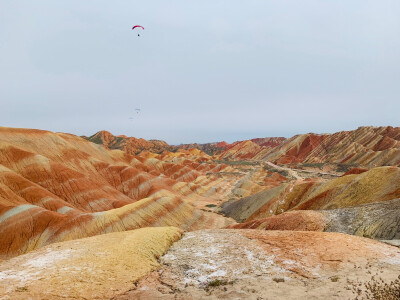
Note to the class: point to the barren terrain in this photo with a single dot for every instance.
(229, 264)
(269, 218)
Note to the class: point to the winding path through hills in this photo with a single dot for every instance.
(295, 172)
(292, 172)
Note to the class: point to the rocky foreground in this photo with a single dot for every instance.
(204, 264)
(93, 268)
(252, 264)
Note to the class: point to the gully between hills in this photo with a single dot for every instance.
(114, 217)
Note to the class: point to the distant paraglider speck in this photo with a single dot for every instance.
(137, 26)
(137, 110)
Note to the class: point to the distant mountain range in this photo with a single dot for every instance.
(365, 146)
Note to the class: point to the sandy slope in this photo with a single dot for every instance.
(91, 268)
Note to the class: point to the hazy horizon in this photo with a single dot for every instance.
(200, 72)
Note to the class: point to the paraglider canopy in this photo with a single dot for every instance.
(137, 26)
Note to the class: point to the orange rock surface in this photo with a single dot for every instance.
(57, 186)
(292, 220)
(375, 185)
(355, 171)
(130, 145)
(304, 252)
(365, 146)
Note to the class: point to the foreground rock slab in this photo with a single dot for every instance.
(98, 267)
(259, 264)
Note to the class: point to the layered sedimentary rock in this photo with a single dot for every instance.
(355, 171)
(303, 220)
(209, 148)
(241, 210)
(379, 220)
(254, 149)
(98, 267)
(376, 185)
(130, 145)
(366, 146)
(57, 186)
(269, 141)
(27, 227)
(241, 151)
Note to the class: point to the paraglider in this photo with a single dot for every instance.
(137, 26)
(137, 110)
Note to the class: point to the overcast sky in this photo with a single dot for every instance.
(201, 71)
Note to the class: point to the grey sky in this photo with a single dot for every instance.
(202, 71)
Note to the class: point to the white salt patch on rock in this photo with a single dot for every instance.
(313, 270)
(391, 261)
(213, 250)
(208, 266)
(201, 257)
(49, 259)
(291, 262)
(20, 276)
(219, 273)
(170, 256)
